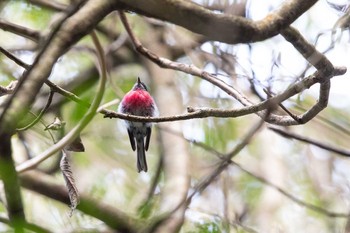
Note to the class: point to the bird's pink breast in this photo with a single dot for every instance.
(138, 99)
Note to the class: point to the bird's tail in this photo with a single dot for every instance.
(141, 155)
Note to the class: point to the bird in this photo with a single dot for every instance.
(139, 102)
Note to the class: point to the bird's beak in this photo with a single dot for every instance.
(138, 80)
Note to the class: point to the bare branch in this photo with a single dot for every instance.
(220, 27)
(292, 197)
(308, 51)
(37, 119)
(266, 182)
(225, 161)
(63, 37)
(52, 85)
(295, 136)
(20, 30)
(201, 113)
(326, 72)
(75, 132)
(14, 58)
(249, 109)
(295, 117)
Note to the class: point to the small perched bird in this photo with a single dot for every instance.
(139, 102)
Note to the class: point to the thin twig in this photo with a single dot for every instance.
(18, 104)
(206, 112)
(37, 119)
(68, 138)
(20, 30)
(14, 58)
(292, 115)
(263, 180)
(295, 136)
(327, 121)
(291, 197)
(201, 185)
(225, 161)
(52, 85)
(322, 76)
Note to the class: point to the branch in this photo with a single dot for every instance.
(320, 62)
(194, 113)
(308, 51)
(37, 119)
(220, 27)
(27, 225)
(57, 6)
(53, 86)
(202, 113)
(230, 113)
(292, 197)
(74, 133)
(325, 72)
(14, 58)
(225, 161)
(266, 182)
(64, 36)
(114, 218)
(10, 181)
(201, 185)
(20, 30)
(291, 135)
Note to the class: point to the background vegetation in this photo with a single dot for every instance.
(253, 133)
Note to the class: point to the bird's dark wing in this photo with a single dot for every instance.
(148, 137)
(132, 140)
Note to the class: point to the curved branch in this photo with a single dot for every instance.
(324, 73)
(251, 108)
(72, 135)
(76, 26)
(301, 138)
(200, 112)
(37, 119)
(220, 27)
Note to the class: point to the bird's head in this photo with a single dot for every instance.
(139, 85)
